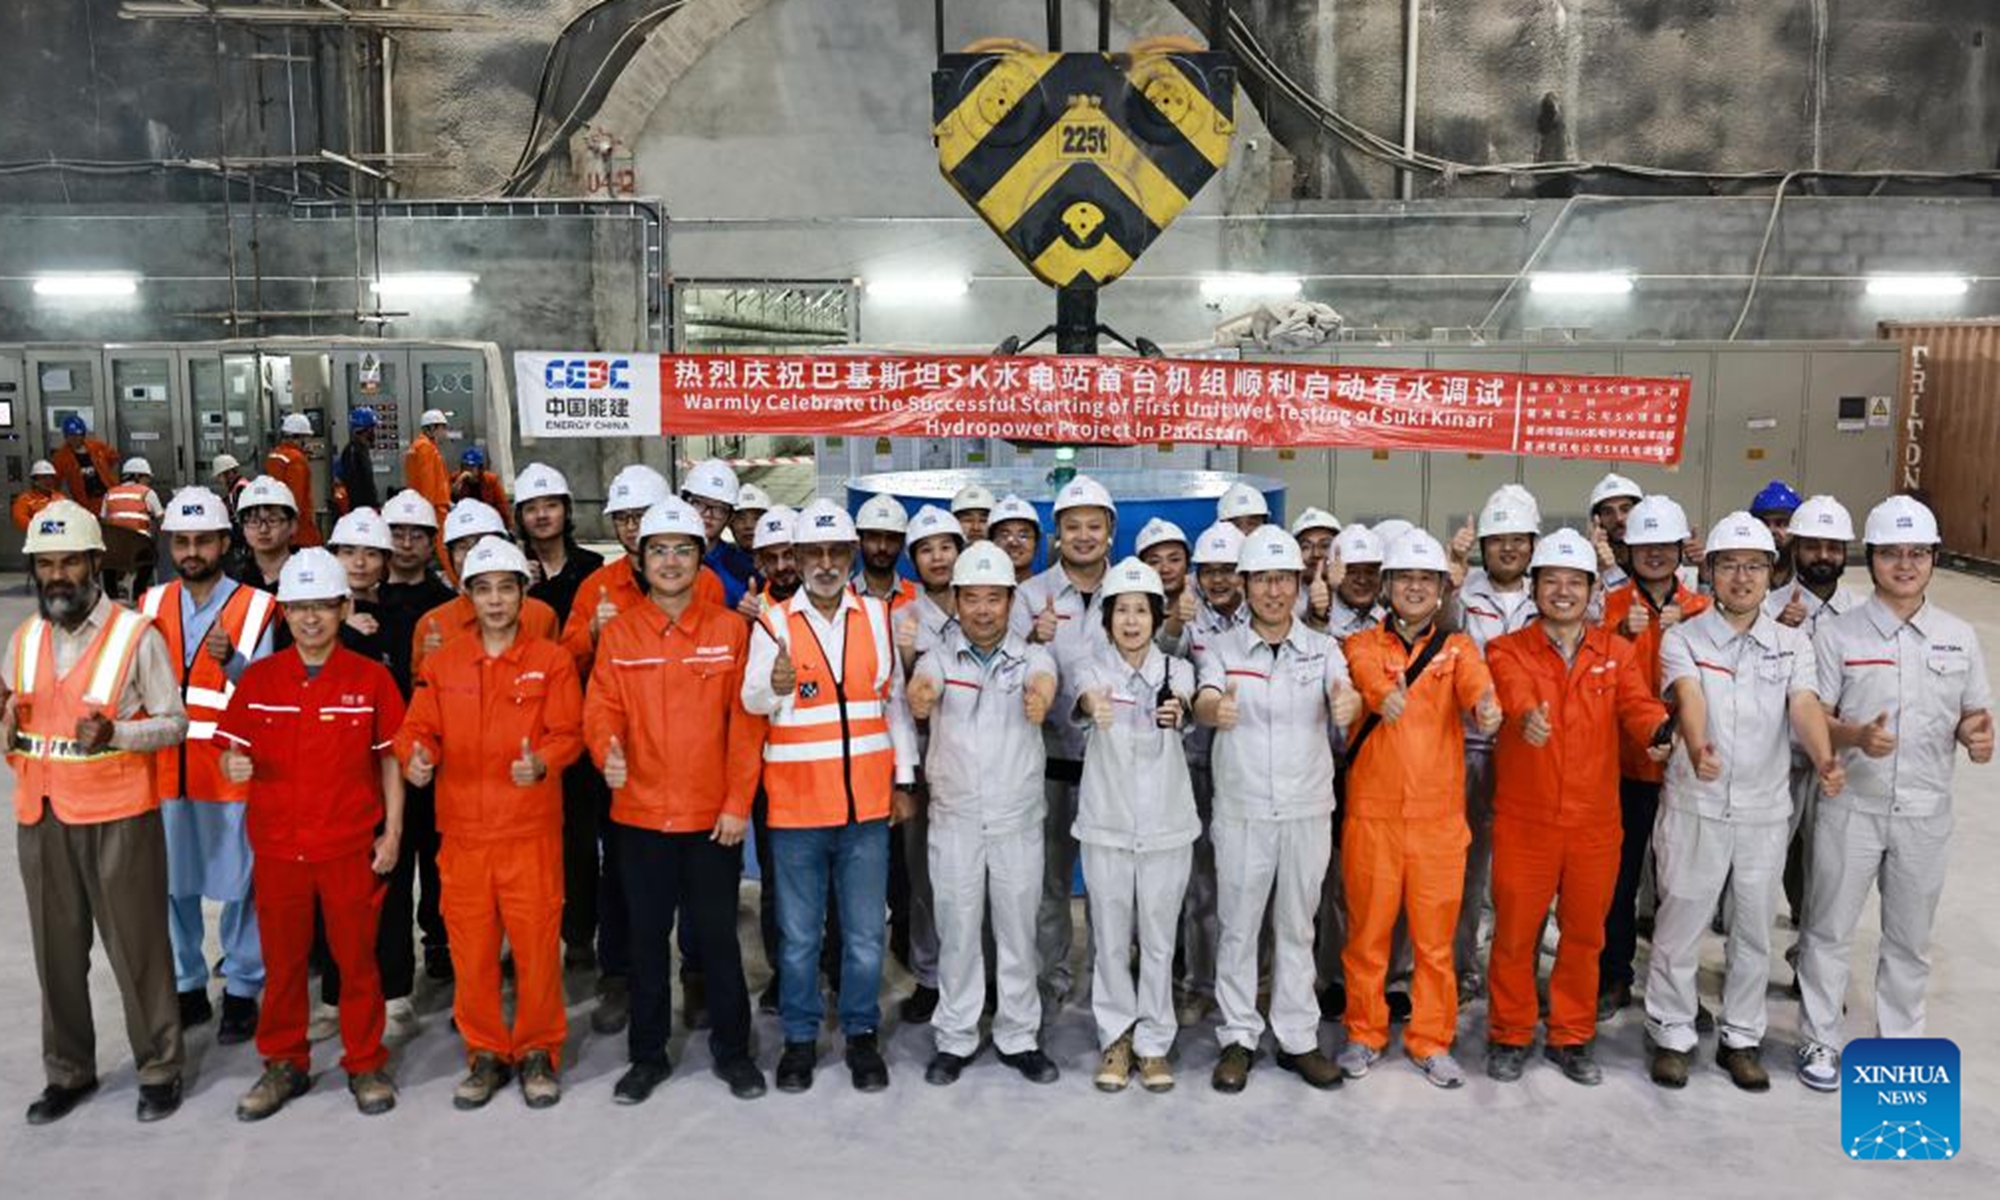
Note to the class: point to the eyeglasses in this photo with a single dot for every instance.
(267, 520)
(711, 509)
(627, 520)
(685, 551)
(1013, 533)
(1914, 555)
(1743, 567)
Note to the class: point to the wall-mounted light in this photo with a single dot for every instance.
(1918, 285)
(87, 283)
(417, 286)
(917, 288)
(1250, 287)
(1580, 283)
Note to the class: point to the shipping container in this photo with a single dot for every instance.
(1948, 436)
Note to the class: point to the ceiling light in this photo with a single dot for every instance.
(1918, 285)
(1239, 287)
(432, 285)
(87, 283)
(1581, 283)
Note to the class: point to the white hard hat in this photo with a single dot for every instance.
(538, 481)
(711, 479)
(296, 423)
(1390, 531)
(266, 492)
(1013, 508)
(751, 498)
(1158, 531)
(63, 527)
(1130, 577)
(1656, 521)
(223, 464)
(1740, 531)
(1414, 551)
(884, 514)
(1564, 548)
(492, 555)
(312, 574)
(1314, 518)
(1897, 521)
(1269, 548)
(1084, 492)
(136, 466)
(1241, 500)
(363, 527)
(1358, 545)
(472, 518)
(823, 522)
(1614, 485)
(1220, 543)
(44, 467)
(195, 510)
(774, 528)
(973, 497)
(1510, 509)
(432, 416)
(931, 521)
(1822, 517)
(983, 565)
(408, 507)
(635, 489)
(673, 515)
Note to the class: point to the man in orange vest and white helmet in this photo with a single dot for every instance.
(133, 505)
(287, 464)
(90, 697)
(839, 762)
(214, 628)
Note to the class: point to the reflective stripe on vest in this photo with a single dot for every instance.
(125, 505)
(193, 768)
(50, 767)
(828, 757)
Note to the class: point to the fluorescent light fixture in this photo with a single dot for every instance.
(1918, 285)
(87, 283)
(1241, 287)
(917, 288)
(432, 285)
(1580, 283)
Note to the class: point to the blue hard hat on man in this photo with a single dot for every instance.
(1777, 497)
(360, 419)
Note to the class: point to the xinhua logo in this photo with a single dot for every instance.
(1899, 1099)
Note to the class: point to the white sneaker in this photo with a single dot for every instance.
(1355, 1059)
(1441, 1069)
(402, 1022)
(1819, 1067)
(325, 1023)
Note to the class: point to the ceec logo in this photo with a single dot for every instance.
(588, 374)
(1899, 1099)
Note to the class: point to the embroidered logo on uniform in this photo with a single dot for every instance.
(809, 691)
(530, 676)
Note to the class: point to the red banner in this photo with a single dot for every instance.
(1131, 401)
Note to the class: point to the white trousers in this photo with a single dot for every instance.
(971, 870)
(1279, 866)
(1132, 894)
(1695, 858)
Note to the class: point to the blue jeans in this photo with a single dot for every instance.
(242, 947)
(856, 857)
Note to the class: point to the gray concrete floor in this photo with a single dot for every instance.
(996, 1134)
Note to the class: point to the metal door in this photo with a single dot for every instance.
(146, 416)
(1458, 484)
(1372, 485)
(1562, 485)
(454, 382)
(1684, 481)
(17, 452)
(378, 378)
(225, 412)
(61, 381)
(1754, 437)
(1849, 432)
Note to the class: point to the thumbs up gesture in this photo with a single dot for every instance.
(1707, 763)
(604, 612)
(906, 637)
(784, 677)
(1638, 619)
(1975, 733)
(921, 696)
(614, 764)
(1876, 741)
(1486, 714)
(1535, 727)
(1794, 612)
(751, 606)
(1038, 697)
(1100, 707)
(1319, 597)
(1334, 571)
(236, 765)
(1832, 776)
(1227, 712)
(1045, 623)
(529, 769)
(1185, 609)
(1395, 702)
(1345, 704)
(1600, 541)
(1460, 550)
(433, 636)
(216, 644)
(1670, 616)
(419, 770)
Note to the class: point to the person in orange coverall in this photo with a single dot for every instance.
(1569, 691)
(468, 523)
(423, 463)
(1403, 848)
(495, 717)
(288, 465)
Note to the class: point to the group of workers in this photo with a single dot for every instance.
(1300, 768)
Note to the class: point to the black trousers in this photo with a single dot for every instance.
(1638, 806)
(689, 878)
(594, 906)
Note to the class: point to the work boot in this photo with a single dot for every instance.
(158, 1101)
(486, 1076)
(1440, 1070)
(57, 1101)
(795, 1066)
(1669, 1068)
(1156, 1074)
(639, 1080)
(1034, 1066)
(613, 1010)
(745, 1081)
(865, 1065)
(324, 1024)
(1612, 999)
(195, 1008)
(694, 1001)
(1505, 1063)
(1232, 1070)
(1819, 1067)
(579, 958)
(1333, 1002)
(767, 1000)
(540, 1086)
(280, 1083)
(1745, 1066)
(239, 1020)
(400, 1021)
(1577, 1063)
(1115, 1071)
(918, 1006)
(1355, 1059)
(1191, 1007)
(374, 1092)
(1313, 1066)
(1399, 1007)
(945, 1068)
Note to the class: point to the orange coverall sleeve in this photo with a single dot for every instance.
(604, 709)
(22, 513)
(1364, 667)
(423, 722)
(562, 718)
(1472, 679)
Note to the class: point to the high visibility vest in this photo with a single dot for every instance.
(905, 592)
(85, 787)
(828, 759)
(125, 505)
(194, 768)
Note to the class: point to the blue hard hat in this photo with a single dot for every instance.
(73, 426)
(360, 419)
(1777, 497)
(473, 457)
